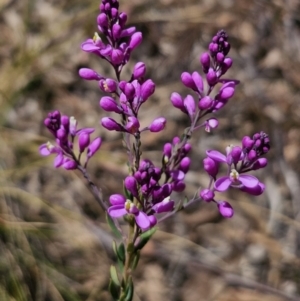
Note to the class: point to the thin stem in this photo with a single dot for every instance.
(95, 190)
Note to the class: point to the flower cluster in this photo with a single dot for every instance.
(126, 97)
(111, 24)
(146, 196)
(239, 160)
(64, 129)
(215, 64)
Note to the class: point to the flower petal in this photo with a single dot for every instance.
(222, 184)
(117, 211)
(215, 155)
(43, 149)
(248, 181)
(117, 199)
(142, 220)
(258, 190)
(59, 160)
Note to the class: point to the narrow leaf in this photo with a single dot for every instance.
(114, 290)
(129, 291)
(114, 275)
(144, 238)
(135, 260)
(113, 227)
(121, 252)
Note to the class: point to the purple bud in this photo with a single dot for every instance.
(211, 77)
(89, 74)
(252, 155)
(65, 122)
(107, 7)
(167, 150)
(108, 104)
(220, 57)
(111, 125)
(114, 12)
(178, 186)
(83, 141)
(205, 61)
(139, 70)
(61, 134)
(116, 31)
(213, 48)
(93, 147)
(131, 185)
(102, 20)
(189, 104)
(147, 89)
(157, 125)
(122, 84)
(260, 163)
(188, 81)
(210, 166)
(227, 63)
(117, 56)
(205, 103)
(132, 125)
(207, 195)
(152, 219)
(198, 81)
(225, 209)
(236, 154)
(111, 85)
(117, 199)
(129, 90)
(128, 32)
(69, 164)
(247, 142)
(177, 101)
(122, 19)
(187, 147)
(165, 206)
(226, 91)
(175, 140)
(185, 164)
(135, 40)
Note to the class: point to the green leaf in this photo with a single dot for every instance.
(114, 290)
(121, 253)
(114, 275)
(144, 238)
(113, 227)
(135, 260)
(114, 246)
(129, 290)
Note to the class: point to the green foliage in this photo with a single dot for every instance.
(113, 227)
(144, 238)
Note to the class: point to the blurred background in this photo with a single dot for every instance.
(54, 242)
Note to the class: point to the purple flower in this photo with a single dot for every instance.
(165, 206)
(47, 149)
(236, 180)
(121, 206)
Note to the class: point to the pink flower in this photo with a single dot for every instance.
(121, 206)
